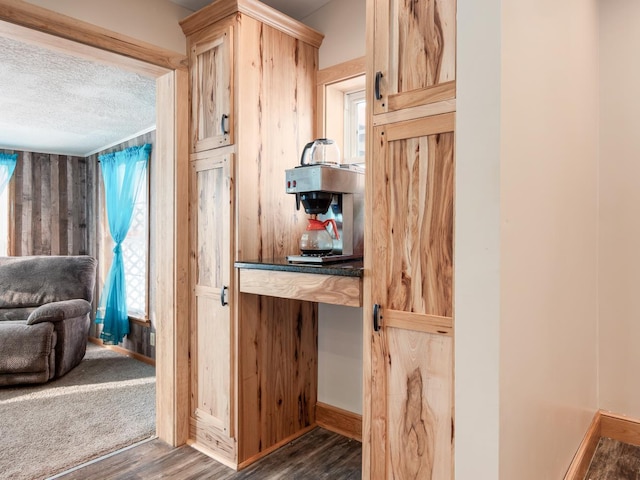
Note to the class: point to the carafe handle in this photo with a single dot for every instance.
(304, 151)
(332, 222)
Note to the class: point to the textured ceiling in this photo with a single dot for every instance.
(56, 103)
(297, 9)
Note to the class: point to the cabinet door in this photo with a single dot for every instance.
(212, 333)
(212, 90)
(410, 384)
(414, 53)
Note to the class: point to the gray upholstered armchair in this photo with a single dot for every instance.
(45, 314)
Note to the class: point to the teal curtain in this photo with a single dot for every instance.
(123, 173)
(7, 166)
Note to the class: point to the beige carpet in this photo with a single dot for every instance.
(105, 403)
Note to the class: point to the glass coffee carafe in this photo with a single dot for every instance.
(322, 151)
(316, 240)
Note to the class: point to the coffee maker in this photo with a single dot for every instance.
(331, 193)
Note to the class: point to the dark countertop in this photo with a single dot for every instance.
(345, 269)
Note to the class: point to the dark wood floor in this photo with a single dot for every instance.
(614, 460)
(319, 454)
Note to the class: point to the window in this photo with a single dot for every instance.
(136, 253)
(342, 116)
(354, 126)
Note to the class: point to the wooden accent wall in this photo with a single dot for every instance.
(51, 205)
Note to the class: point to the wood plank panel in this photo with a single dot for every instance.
(311, 287)
(172, 382)
(14, 243)
(437, 93)
(207, 436)
(278, 389)
(340, 421)
(580, 463)
(414, 45)
(419, 127)
(169, 188)
(26, 236)
(55, 205)
(414, 113)
(79, 205)
(47, 219)
(418, 244)
(36, 202)
(341, 71)
(417, 322)
(63, 221)
(421, 36)
(620, 427)
(419, 416)
(277, 337)
(92, 200)
(71, 201)
(45, 205)
(212, 375)
(82, 238)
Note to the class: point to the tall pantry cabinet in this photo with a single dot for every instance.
(253, 359)
(408, 421)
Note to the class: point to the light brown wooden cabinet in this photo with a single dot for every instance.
(411, 353)
(253, 361)
(408, 415)
(211, 323)
(414, 53)
(212, 88)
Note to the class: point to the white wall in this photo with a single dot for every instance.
(549, 230)
(152, 21)
(619, 245)
(343, 24)
(340, 357)
(477, 240)
(340, 328)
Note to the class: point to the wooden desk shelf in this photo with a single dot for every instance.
(339, 284)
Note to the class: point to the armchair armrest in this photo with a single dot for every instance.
(57, 311)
